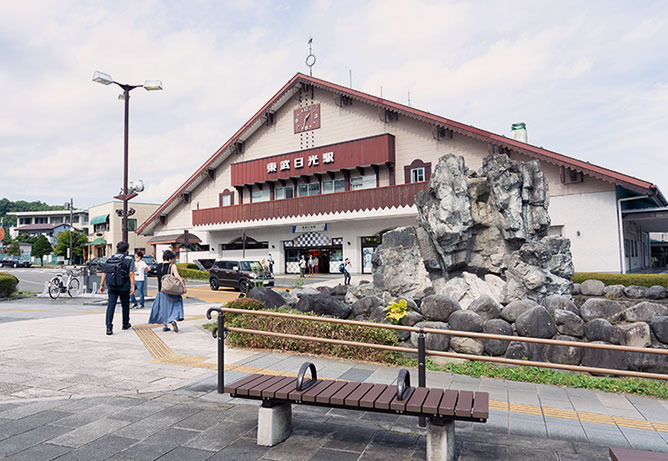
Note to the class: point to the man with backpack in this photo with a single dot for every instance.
(119, 275)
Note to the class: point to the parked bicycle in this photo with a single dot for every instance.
(65, 283)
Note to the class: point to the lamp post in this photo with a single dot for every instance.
(149, 85)
(70, 206)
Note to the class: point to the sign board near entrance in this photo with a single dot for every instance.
(2, 233)
(309, 228)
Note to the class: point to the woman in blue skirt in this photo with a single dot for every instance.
(167, 309)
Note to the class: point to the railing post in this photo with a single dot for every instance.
(221, 352)
(422, 375)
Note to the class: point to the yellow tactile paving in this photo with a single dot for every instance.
(526, 409)
(152, 342)
(633, 423)
(558, 413)
(595, 418)
(498, 405)
(661, 427)
(206, 294)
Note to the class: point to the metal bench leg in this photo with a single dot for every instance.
(274, 423)
(440, 439)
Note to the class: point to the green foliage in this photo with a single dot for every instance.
(645, 280)
(14, 249)
(8, 284)
(41, 248)
(6, 238)
(192, 274)
(180, 266)
(299, 283)
(7, 205)
(396, 311)
(25, 238)
(79, 241)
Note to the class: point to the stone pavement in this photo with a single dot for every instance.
(67, 390)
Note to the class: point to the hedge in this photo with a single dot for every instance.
(307, 328)
(193, 274)
(645, 280)
(8, 284)
(180, 266)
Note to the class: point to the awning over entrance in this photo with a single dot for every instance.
(98, 241)
(173, 238)
(99, 219)
(649, 219)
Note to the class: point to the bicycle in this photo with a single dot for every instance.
(65, 283)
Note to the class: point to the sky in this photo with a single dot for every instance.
(590, 79)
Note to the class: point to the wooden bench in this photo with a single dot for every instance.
(624, 454)
(440, 407)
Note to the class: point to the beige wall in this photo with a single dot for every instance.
(115, 232)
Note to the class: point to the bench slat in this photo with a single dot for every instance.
(297, 395)
(383, 401)
(464, 404)
(345, 391)
(244, 388)
(481, 405)
(354, 398)
(230, 388)
(312, 392)
(625, 454)
(283, 392)
(256, 391)
(400, 405)
(417, 399)
(447, 406)
(270, 392)
(370, 397)
(325, 395)
(432, 401)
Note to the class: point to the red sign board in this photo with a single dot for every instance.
(2, 233)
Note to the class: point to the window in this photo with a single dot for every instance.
(368, 181)
(85, 219)
(75, 219)
(56, 219)
(417, 174)
(226, 200)
(260, 195)
(100, 227)
(25, 221)
(44, 220)
(284, 192)
(338, 185)
(304, 190)
(132, 224)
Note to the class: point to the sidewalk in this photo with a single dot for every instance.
(68, 389)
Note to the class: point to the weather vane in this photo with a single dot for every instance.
(310, 59)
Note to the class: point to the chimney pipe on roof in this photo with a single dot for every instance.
(519, 131)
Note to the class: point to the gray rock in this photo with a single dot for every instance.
(614, 291)
(465, 321)
(355, 293)
(411, 318)
(466, 345)
(515, 308)
(486, 307)
(601, 330)
(607, 309)
(566, 355)
(339, 290)
(634, 334)
(645, 311)
(432, 341)
(468, 287)
(554, 302)
(496, 347)
(266, 296)
(536, 323)
(323, 305)
(362, 282)
(592, 287)
(412, 305)
(660, 328)
(526, 351)
(576, 289)
(604, 358)
(635, 291)
(568, 323)
(438, 307)
(366, 306)
(299, 292)
(651, 363)
(324, 290)
(655, 292)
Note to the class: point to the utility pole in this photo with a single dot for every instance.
(70, 205)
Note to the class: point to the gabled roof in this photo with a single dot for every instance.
(290, 88)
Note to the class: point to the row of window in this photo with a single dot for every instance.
(304, 190)
(53, 220)
(103, 227)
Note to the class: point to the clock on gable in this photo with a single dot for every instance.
(307, 118)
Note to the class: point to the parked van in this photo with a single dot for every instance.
(239, 274)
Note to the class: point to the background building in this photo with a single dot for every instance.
(106, 227)
(45, 222)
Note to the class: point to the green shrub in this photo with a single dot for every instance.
(192, 274)
(645, 280)
(8, 284)
(180, 266)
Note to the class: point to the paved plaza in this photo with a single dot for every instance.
(69, 392)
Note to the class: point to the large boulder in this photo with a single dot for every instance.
(536, 323)
(645, 311)
(635, 291)
(438, 307)
(526, 351)
(486, 307)
(469, 287)
(592, 287)
(607, 309)
(432, 341)
(655, 292)
(604, 358)
(465, 321)
(355, 293)
(601, 330)
(411, 318)
(515, 308)
(299, 292)
(555, 302)
(634, 334)
(652, 363)
(340, 290)
(660, 328)
(496, 347)
(566, 355)
(614, 291)
(466, 345)
(568, 323)
(323, 305)
(576, 289)
(267, 296)
(365, 307)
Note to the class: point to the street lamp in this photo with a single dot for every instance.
(149, 85)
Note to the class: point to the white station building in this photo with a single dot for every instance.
(325, 170)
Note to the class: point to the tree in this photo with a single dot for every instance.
(25, 238)
(79, 240)
(14, 249)
(41, 247)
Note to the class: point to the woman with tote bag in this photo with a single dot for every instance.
(168, 305)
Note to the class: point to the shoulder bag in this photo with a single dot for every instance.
(170, 284)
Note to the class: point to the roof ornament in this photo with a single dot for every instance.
(310, 59)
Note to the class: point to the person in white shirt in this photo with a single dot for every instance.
(141, 268)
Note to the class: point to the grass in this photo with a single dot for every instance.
(645, 280)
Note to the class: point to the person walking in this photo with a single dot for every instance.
(141, 268)
(167, 309)
(347, 267)
(270, 261)
(119, 275)
(302, 266)
(311, 266)
(316, 265)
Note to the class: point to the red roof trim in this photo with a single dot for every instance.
(596, 171)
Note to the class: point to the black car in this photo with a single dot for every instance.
(97, 263)
(152, 264)
(13, 261)
(239, 274)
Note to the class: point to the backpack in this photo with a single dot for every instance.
(342, 268)
(118, 272)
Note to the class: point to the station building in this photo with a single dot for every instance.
(325, 170)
